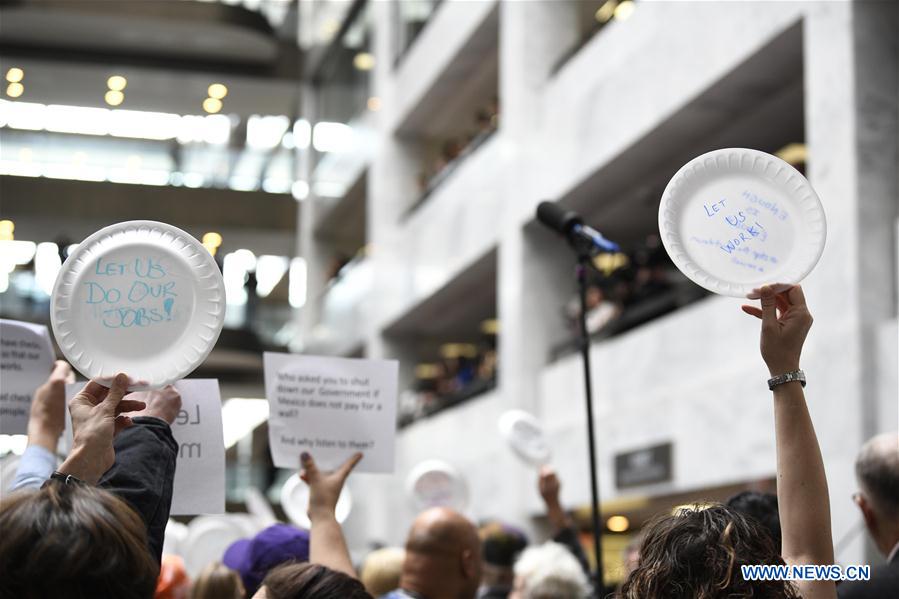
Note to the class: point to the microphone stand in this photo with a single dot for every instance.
(584, 262)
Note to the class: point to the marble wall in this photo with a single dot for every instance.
(693, 377)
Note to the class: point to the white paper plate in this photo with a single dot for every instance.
(733, 220)
(139, 297)
(295, 501)
(209, 536)
(435, 483)
(525, 435)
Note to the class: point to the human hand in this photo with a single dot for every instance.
(782, 336)
(324, 487)
(47, 419)
(162, 403)
(97, 417)
(549, 486)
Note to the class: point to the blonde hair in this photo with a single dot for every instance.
(381, 570)
(217, 581)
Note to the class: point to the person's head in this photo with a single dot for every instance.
(443, 555)
(309, 581)
(697, 554)
(217, 581)
(277, 544)
(549, 571)
(500, 546)
(73, 541)
(877, 471)
(762, 507)
(381, 570)
(595, 296)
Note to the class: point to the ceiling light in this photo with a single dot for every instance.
(302, 134)
(217, 91)
(618, 523)
(114, 98)
(427, 371)
(364, 61)
(116, 83)
(490, 326)
(212, 238)
(212, 105)
(15, 75)
(606, 11)
(331, 137)
(374, 103)
(7, 227)
(14, 90)
(265, 132)
(624, 10)
(269, 272)
(296, 286)
(299, 190)
(793, 154)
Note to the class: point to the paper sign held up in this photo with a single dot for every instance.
(26, 359)
(199, 486)
(332, 408)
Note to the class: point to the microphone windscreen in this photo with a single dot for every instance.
(557, 218)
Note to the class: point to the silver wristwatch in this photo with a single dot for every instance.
(796, 375)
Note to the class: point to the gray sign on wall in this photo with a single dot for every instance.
(643, 466)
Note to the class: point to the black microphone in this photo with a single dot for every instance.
(572, 227)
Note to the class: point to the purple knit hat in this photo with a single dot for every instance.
(253, 558)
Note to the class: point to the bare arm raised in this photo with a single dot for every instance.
(801, 483)
(326, 543)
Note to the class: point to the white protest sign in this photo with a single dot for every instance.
(26, 359)
(332, 408)
(200, 468)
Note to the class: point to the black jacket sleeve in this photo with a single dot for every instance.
(144, 474)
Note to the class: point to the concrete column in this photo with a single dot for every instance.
(533, 36)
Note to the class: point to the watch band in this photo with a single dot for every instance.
(789, 377)
(66, 479)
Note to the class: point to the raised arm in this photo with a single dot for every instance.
(326, 543)
(801, 483)
(46, 423)
(563, 529)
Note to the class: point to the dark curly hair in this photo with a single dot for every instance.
(697, 554)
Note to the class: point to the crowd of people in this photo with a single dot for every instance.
(627, 289)
(457, 377)
(455, 149)
(94, 526)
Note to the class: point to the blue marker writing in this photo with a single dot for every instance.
(167, 305)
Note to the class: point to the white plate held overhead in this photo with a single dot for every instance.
(525, 435)
(139, 297)
(295, 502)
(435, 483)
(733, 220)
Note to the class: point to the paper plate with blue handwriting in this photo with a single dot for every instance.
(735, 219)
(139, 297)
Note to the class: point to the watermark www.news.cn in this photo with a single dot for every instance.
(806, 572)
